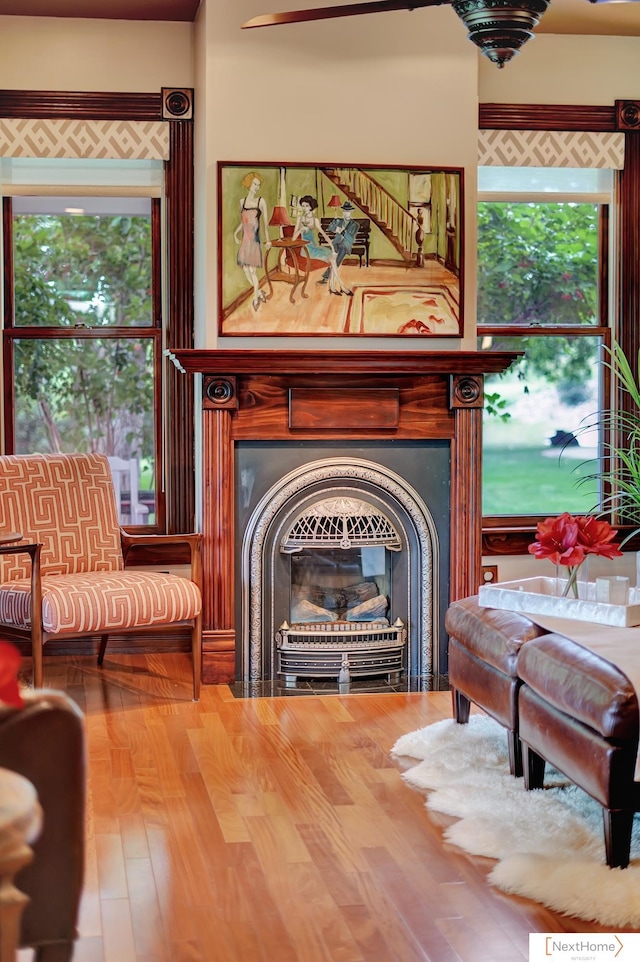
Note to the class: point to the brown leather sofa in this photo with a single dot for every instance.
(483, 650)
(45, 742)
(579, 712)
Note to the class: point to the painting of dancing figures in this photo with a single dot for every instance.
(318, 250)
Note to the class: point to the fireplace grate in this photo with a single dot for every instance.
(340, 649)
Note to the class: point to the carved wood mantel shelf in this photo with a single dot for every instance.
(332, 395)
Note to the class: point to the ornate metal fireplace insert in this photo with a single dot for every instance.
(340, 628)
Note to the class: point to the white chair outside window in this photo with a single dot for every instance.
(126, 481)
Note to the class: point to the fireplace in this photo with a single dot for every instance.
(341, 560)
(379, 451)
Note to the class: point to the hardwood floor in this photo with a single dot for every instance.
(270, 830)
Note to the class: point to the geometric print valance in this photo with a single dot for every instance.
(550, 148)
(85, 139)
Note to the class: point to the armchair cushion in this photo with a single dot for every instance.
(65, 501)
(99, 602)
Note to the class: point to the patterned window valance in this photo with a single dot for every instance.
(86, 139)
(550, 148)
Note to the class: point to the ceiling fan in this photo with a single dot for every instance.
(498, 27)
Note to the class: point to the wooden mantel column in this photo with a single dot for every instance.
(293, 396)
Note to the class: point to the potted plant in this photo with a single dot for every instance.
(620, 426)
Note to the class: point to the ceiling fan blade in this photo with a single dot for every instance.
(332, 13)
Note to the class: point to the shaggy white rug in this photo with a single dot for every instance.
(549, 844)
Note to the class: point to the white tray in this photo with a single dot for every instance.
(537, 595)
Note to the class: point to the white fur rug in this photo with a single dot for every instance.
(549, 844)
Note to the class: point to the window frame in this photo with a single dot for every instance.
(153, 332)
(512, 534)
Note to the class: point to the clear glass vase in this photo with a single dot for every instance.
(572, 581)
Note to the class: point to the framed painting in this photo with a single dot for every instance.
(324, 250)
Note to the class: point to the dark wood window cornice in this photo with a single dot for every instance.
(48, 104)
(546, 117)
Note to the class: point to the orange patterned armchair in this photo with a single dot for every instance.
(67, 577)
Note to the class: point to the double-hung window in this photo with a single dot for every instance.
(543, 256)
(83, 321)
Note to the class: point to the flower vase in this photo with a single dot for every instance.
(572, 581)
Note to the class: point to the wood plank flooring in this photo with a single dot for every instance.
(270, 830)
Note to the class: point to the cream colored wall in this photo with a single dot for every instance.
(48, 53)
(393, 88)
(565, 70)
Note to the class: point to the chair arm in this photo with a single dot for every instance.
(130, 541)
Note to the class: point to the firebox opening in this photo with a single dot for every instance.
(338, 584)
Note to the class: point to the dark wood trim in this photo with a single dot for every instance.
(507, 540)
(351, 362)
(218, 552)
(79, 105)
(466, 504)
(604, 221)
(7, 345)
(180, 487)
(629, 248)
(546, 117)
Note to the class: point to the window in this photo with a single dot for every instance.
(543, 248)
(83, 335)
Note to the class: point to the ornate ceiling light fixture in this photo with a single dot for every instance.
(500, 27)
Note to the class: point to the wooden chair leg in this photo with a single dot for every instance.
(533, 768)
(103, 646)
(461, 706)
(196, 655)
(618, 826)
(36, 654)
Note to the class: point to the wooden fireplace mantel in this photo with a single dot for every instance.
(258, 395)
(200, 361)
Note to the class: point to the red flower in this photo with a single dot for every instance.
(557, 540)
(566, 540)
(9, 663)
(597, 537)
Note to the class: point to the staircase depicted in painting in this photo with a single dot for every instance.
(397, 224)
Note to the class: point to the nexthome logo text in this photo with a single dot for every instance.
(585, 947)
(582, 944)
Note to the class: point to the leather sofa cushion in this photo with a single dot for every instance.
(492, 635)
(581, 684)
